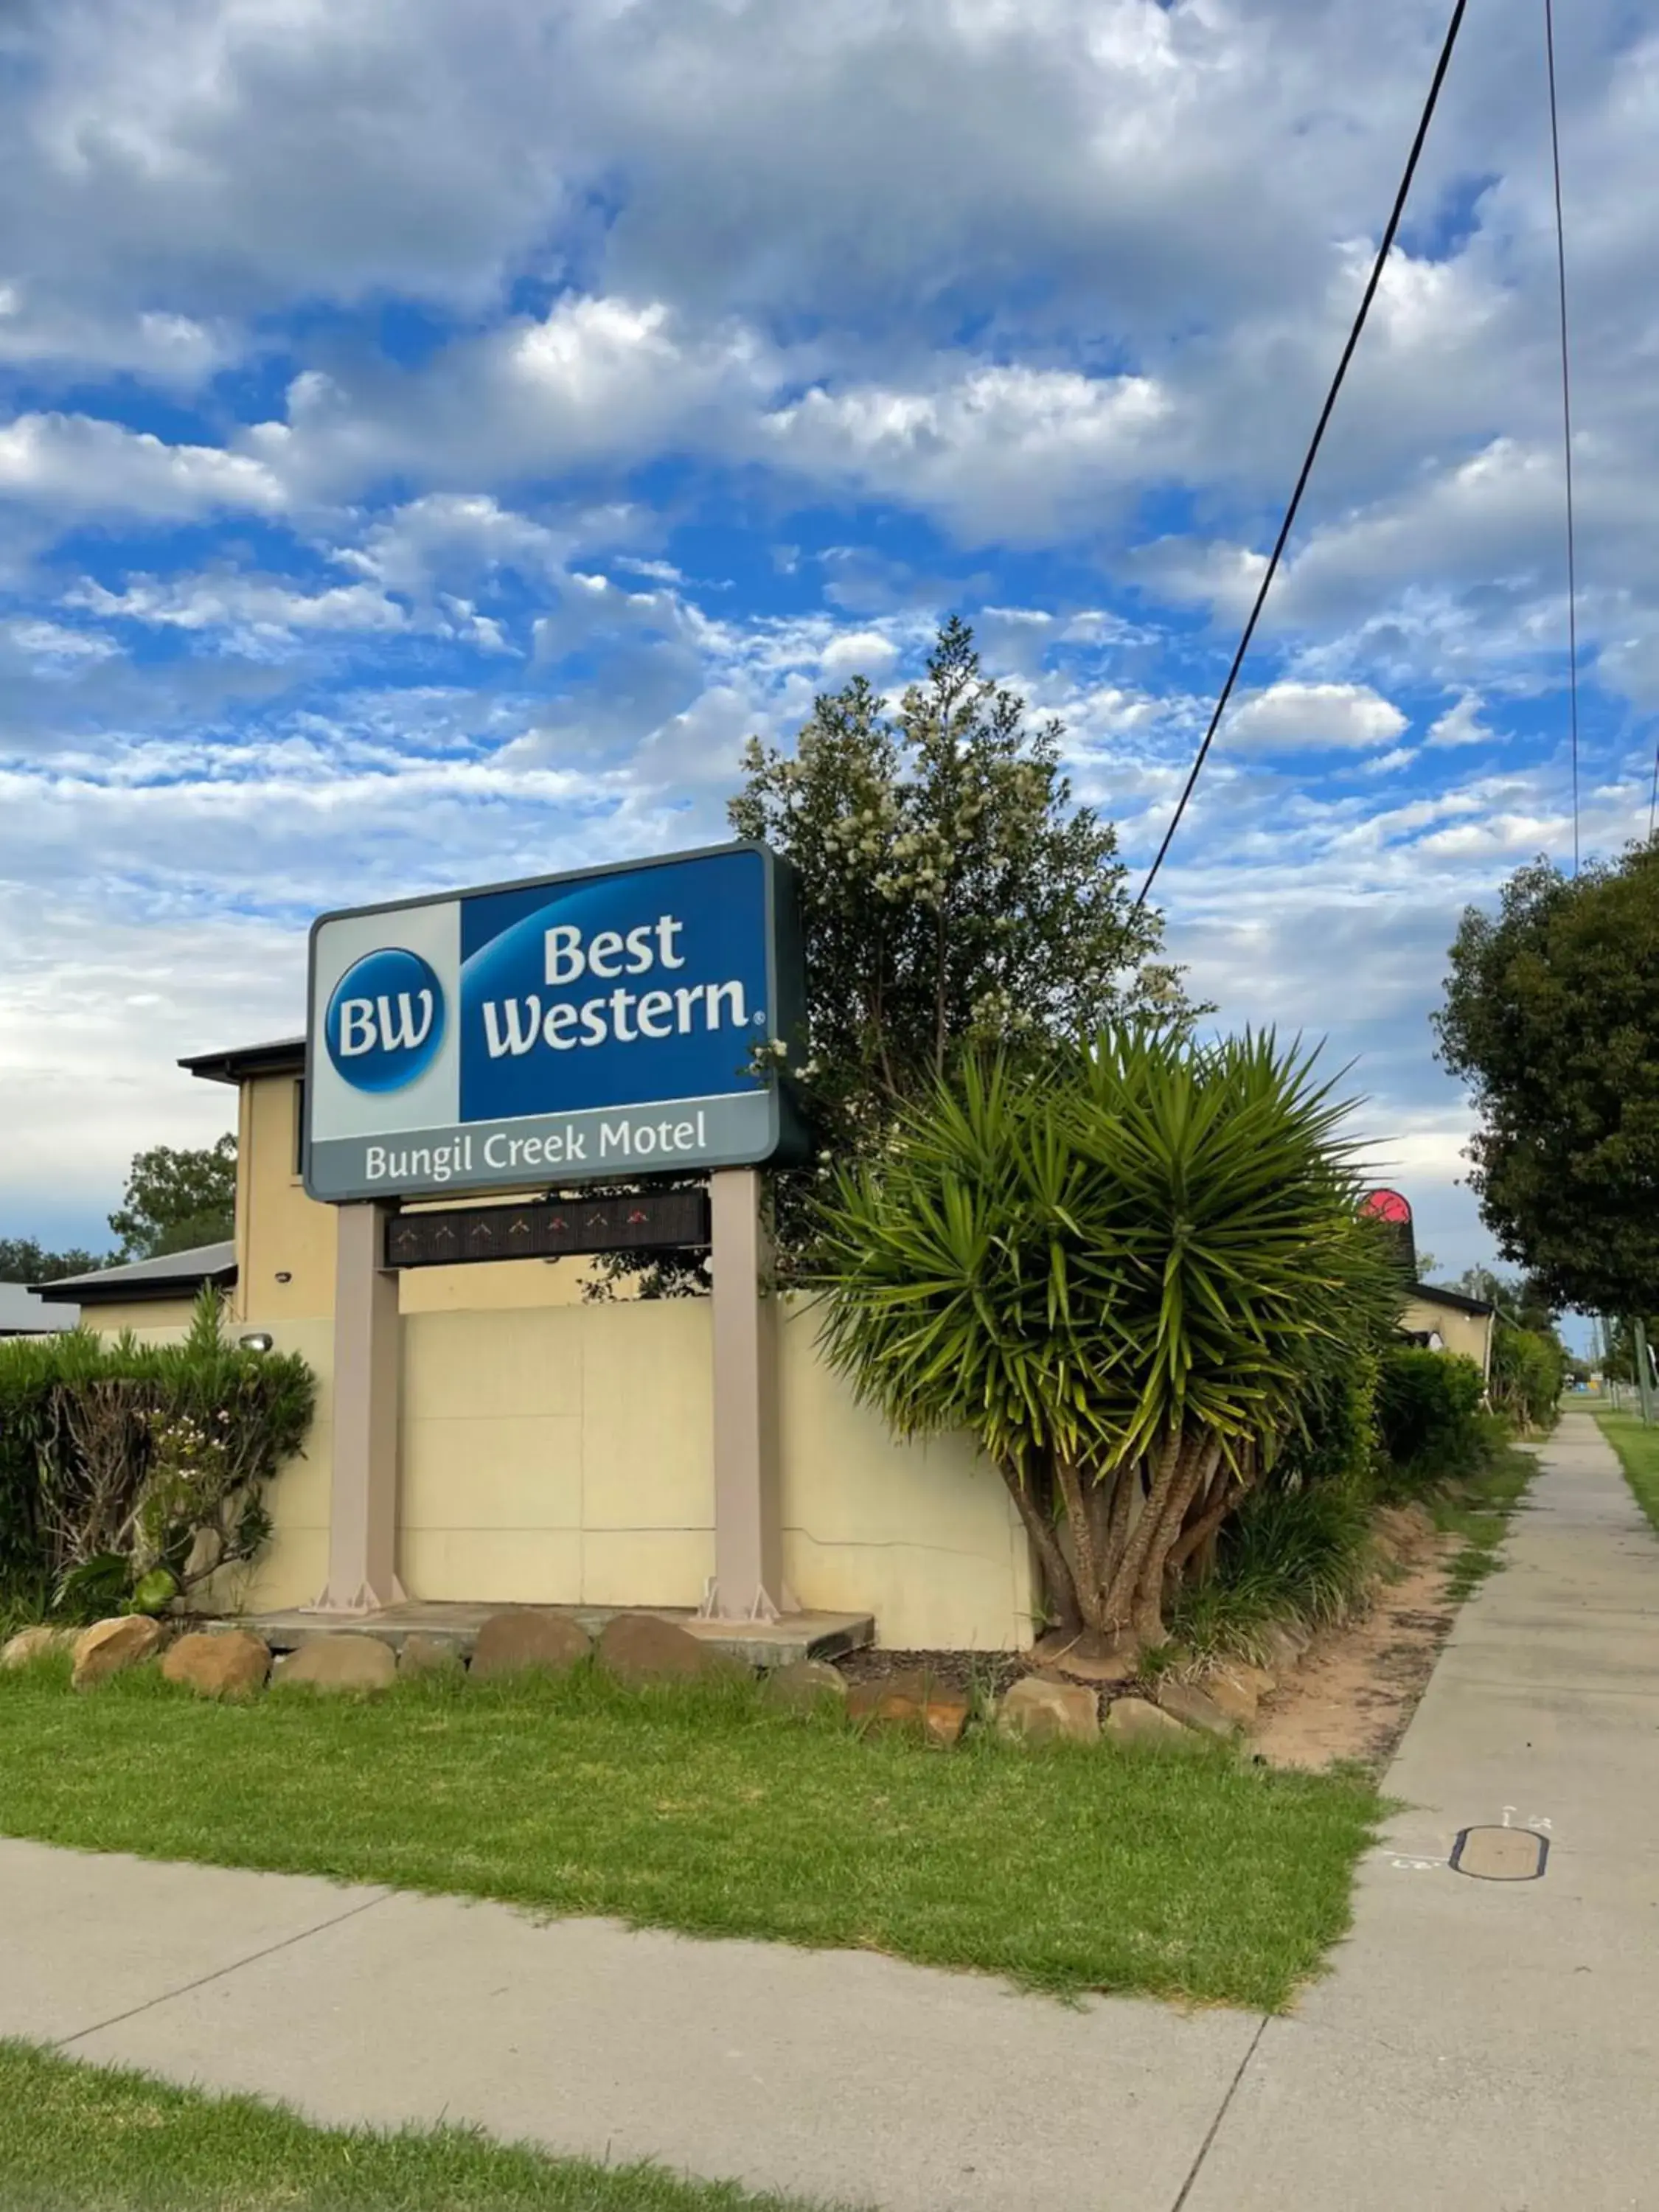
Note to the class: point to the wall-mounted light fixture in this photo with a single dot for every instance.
(259, 1341)
(284, 1276)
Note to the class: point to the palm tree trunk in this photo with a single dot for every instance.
(1061, 1584)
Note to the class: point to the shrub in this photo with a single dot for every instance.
(1335, 1438)
(1529, 1371)
(1302, 1554)
(129, 1472)
(1430, 1412)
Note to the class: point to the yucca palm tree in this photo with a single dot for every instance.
(1119, 1277)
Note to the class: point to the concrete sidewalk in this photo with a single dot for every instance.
(1494, 2046)
(1484, 2046)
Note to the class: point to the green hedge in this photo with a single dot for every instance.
(125, 1468)
(1431, 1413)
(1529, 1371)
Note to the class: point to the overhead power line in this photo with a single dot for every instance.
(1312, 454)
(1566, 420)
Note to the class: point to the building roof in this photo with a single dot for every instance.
(174, 1275)
(22, 1313)
(282, 1057)
(1430, 1294)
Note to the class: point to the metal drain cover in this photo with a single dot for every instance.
(1500, 1854)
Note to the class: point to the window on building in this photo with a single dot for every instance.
(299, 1126)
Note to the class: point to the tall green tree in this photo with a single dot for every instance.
(955, 895)
(1551, 1018)
(25, 1259)
(177, 1198)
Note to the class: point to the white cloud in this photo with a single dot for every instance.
(1460, 724)
(75, 462)
(1289, 716)
(240, 605)
(1010, 452)
(37, 330)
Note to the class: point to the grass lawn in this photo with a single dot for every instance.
(704, 1808)
(1639, 1454)
(87, 2139)
(1478, 1508)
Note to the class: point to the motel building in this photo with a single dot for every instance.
(413, 1218)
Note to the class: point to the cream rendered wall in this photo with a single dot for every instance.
(562, 1455)
(923, 1535)
(156, 1317)
(1469, 1333)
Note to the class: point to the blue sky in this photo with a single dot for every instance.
(433, 439)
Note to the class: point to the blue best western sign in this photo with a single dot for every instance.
(582, 1027)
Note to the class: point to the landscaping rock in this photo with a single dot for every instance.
(1261, 1682)
(1234, 1699)
(31, 1644)
(231, 1665)
(1196, 1707)
(1040, 1711)
(344, 1662)
(429, 1655)
(1132, 1719)
(109, 1647)
(641, 1647)
(910, 1701)
(807, 1682)
(514, 1642)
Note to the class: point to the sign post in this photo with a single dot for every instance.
(604, 1026)
(363, 1518)
(748, 1583)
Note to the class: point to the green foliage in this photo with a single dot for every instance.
(176, 1200)
(24, 1260)
(1551, 1017)
(953, 893)
(1637, 1447)
(1302, 1555)
(116, 1458)
(1124, 1278)
(1529, 1372)
(1335, 1438)
(1430, 1417)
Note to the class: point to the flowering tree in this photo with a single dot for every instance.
(953, 895)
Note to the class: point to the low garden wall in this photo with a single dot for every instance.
(563, 1455)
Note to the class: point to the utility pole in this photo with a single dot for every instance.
(1639, 1329)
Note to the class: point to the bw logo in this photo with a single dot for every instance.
(386, 1020)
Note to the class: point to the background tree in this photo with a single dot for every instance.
(176, 1200)
(23, 1260)
(1551, 1018)
(1519, 1300)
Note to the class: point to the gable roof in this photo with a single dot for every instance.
(174, 1275)
(281, 1056)
(1430, 1294)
